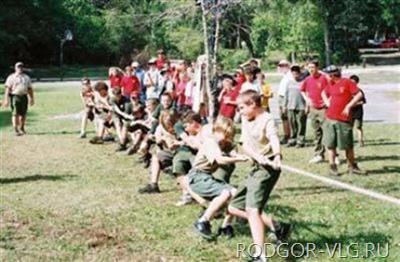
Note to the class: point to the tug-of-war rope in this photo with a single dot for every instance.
(342, 185)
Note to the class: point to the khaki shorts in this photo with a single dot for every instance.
(255, 190)
(337, 135)
(205, 185)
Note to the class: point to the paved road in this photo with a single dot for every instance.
(383, 105)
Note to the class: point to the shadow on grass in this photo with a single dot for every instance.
(309, 190)
(380, 142)
(284, 211)
(33, 178)
(377, 158)
(384, 170)
(5, 119)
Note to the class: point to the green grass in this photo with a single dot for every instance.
(64, 199)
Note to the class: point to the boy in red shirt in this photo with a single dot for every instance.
(340, 96)
(311, 90)
(115, 76)
(227, 97)
(130, 83)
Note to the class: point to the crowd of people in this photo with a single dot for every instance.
(150, 109)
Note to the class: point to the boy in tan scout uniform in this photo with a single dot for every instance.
(261, 143)
(215, 151)
(18, 92)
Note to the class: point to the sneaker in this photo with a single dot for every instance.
(108, 138)
(283, 231)
(18, 133)
(149, 189)
(120, 148)
(284, 141)
(226, 231)
(291, 144)
(96, 140)
(82, 135)
(23, 131)
(203, 229)
(333, 171)
(355, 170)
(316, 159)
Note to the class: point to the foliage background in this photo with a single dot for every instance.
(112, 31)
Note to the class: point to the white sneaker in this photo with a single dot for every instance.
(337, 160)
(316, 159)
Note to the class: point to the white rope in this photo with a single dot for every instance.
(336, 183)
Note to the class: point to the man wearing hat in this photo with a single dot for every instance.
(340, 95)
(18, 90)
(152, 79)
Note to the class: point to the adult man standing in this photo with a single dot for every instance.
(340, 95)
(17, 93)
(151, 80)
(284, 68)
(139, 73)
(311, 90)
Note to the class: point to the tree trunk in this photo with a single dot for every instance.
(327, 43)
(207, 83)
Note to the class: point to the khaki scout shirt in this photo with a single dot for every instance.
(256, 133)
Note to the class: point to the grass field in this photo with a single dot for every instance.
(64, 199)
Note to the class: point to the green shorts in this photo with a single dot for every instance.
(337, 135)
(165, 158)
(357, 123)
(223, 173)
(19, 104)
(255, 190)
(205, 185)
(182, 162)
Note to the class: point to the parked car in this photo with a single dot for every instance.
(390, 43)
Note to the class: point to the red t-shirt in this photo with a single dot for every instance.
(228, 110)
(115, 81)
(314, 86)
(160, 63)
(180, 93)
(240, 79)
(340, 94)
(130, 84)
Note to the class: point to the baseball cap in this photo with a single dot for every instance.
(152, 61)
(19, 64)
(135, 64)
(331, 69)
(283, 62)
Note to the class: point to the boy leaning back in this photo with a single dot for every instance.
(261, 143)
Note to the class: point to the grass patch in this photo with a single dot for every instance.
(64, 199)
